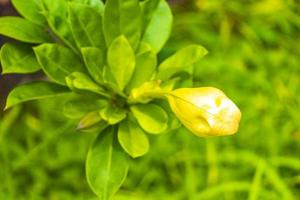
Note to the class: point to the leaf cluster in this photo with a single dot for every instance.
(103, 58)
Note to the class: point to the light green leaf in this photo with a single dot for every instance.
(86, 24)
(159, 28)
(57, 61)
(106, 165)
(173, 121)
(112, 114)
(78, 107)
(180, 61)
(18, 58)
(92, 122)
(33, 91)
(122, 17)
(23, 30)
(151, 117)
(144, 68)
(121, 61)
(31, 10)
(133, 139)
(94, 61)
(80, 81)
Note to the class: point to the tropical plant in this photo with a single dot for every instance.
(104, 60)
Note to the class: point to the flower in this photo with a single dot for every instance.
(205, 111)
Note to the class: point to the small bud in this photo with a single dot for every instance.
(205, 111)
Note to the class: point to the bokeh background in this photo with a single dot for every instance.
(254, 57)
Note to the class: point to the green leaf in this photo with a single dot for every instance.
(151, 117)
(86, 24)
(79, 106)
(94, 61)
(23, 30)
(92, 122)
(159, 28)
(96, 4)
(133, 139)
(148, 7)
(122, 17)
(33, 91)
(18, 58)
(80, 81)
(112, 114)
(31, 10)
(106, 165)
(173, 121)
(121, 61)
(180, 61)
(144, 68)
(58, 61)
(57, 18)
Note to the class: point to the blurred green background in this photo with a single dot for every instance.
(254, 57)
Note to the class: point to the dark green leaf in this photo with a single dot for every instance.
(18, 58)
(23, 30)
(148, 8)
(121, 61)
(122, 17)
(57, 61)
(106, 165)
(133, 139)
(180, 61)
(57, 18)
(151, 117)
(94, 61)
(159, 28)
(144, 68)
(32, 91)
(86, 24)
(31, 10)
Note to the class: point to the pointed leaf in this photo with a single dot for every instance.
(161, 20)
(151, 117)
(121, 61)
(31, 10)
(148, 8)
(56, 15)
(94, 61)
(86, 24)
(180, 61)
(23, 30)
(18, 58)
(58, 61)
(122, 17)
(133, 139)
(33, 91)
(89, 120)
(106, 165)
(144, 68)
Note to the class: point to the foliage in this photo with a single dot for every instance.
(253, 57)
(98, 52)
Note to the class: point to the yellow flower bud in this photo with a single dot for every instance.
(205, 111)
